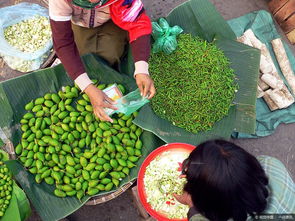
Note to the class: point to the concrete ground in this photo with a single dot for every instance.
(280, 145)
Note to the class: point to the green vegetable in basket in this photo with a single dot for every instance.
(195, 84)
(70, 148)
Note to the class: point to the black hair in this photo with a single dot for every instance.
(225, 181)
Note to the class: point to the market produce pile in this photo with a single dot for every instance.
(29, 35)
(161, 180)
(33, 38)
(195, 84)
(65, 145)
(5, 187)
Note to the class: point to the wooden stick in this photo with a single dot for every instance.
(270, 103)
(243, 39)
(291, 36)
(265, 66)
(275, 99)
(280, 99)
(254, 40)
(264, 50)
(288, 95)
(265, 63)
(263, 85)
(272, 81)
(284, 62)
(260, 92)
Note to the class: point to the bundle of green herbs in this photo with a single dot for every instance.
(195, 84)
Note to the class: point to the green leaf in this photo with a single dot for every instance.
(245, 61)
(12, 212)
(200, 18)
(19, 206)
(22, 202)
(1, 143)
(17, 92)
(4, 154)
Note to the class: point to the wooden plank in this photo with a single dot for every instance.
(291, 36)
(275, 5)
(285, 12)
(289, 25)
(270, 103)
(262, 85)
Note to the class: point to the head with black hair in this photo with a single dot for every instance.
(225, 181)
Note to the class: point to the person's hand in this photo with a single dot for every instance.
(99, 101)
(145, 85)
(185, 198)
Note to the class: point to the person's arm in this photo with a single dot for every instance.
(186, 199)
(63, 42)
(133, 19)
(66, 49)
(60, 13)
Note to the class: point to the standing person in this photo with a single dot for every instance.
(100, 26)
(226, 182)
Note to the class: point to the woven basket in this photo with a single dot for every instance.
(107, 197)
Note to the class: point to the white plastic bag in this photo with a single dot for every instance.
(15, 58)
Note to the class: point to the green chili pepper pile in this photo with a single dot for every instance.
(195, 84)
(65, 145)
(5, 187)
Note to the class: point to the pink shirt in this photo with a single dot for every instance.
(63, 10)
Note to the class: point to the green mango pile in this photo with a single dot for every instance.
(65, 145)
(5, 187)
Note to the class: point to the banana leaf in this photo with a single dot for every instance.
(19, 206)
(12, 212)
(15, 93)
(200, 18)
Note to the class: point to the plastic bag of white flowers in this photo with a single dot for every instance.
(25, 36)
